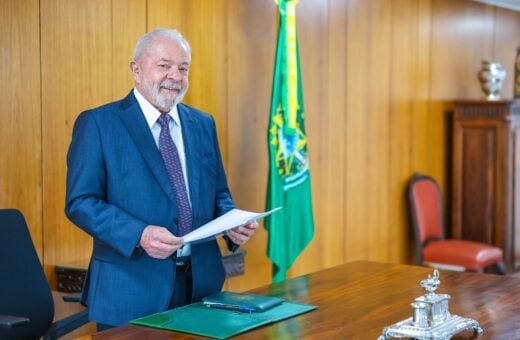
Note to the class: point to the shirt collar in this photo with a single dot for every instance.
(151, 114)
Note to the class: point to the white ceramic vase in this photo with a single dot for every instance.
(491, 77)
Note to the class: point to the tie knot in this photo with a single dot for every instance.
(164, 119)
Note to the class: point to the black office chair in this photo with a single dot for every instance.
(26, 304)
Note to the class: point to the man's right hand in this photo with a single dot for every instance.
(158, 242)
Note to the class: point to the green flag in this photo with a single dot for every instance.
(289, 185)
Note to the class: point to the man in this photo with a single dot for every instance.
(142, 172)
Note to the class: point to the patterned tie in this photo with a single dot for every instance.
(172, 161)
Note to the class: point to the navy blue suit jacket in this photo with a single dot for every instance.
(117, 184)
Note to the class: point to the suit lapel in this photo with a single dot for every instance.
(190, 136)
(134, 121)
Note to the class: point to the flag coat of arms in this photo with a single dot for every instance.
(292, 228)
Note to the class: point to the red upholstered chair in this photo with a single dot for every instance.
(432, 248)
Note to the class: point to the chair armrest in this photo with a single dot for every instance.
(9, 321)
(72, 298)
(61, 327)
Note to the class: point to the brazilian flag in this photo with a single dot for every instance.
(289, 184)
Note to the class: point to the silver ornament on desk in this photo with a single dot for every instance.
(431, 318)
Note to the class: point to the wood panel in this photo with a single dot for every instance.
(328, 142)
(20, 127)
(420, 147)
(76, 69)
(251, 29)
(462, 36)
(357, 87)
(128, 25)
(377, 132)
(410, 86)
(367, 111)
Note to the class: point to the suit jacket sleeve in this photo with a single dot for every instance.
(86, 203)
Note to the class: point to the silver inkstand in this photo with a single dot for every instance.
(431, 318)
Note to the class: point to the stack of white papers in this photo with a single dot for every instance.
(232, 219)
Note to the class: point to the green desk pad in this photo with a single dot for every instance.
(219, 323)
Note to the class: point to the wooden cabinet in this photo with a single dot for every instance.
(486, 175)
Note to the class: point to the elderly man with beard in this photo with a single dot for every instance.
(142, 172)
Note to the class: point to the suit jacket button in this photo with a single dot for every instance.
(175, 221)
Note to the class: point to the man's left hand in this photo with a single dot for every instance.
(242, 234)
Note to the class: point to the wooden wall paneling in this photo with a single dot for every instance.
(128, 25)
(326, 130)
(377, 132)
(252, 34)
(403, 72)
(203, 23)
(507, 40)
(20, 132)
(357, 91)
(76, 75)
(421, 145)
(368, 70)
(409, 88)
(446, 76)
(422, 57)
(462, 36)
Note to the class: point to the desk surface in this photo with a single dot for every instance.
(358, 299)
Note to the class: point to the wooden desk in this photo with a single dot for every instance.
(358, 299)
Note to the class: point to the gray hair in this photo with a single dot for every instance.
(146, 41)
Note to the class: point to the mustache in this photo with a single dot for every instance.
(171, 86)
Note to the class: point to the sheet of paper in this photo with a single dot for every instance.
(232, 219)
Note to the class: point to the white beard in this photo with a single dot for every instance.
(164, 102)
